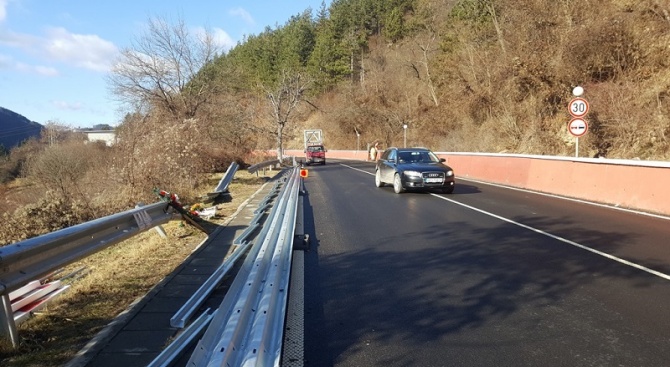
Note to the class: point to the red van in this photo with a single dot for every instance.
(315, 154)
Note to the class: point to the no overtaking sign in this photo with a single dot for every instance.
(578, 127)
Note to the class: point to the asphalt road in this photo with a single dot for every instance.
(486, 276)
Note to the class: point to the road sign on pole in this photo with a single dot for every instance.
(578, 127)
(578, 107)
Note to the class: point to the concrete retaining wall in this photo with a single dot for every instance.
(641, 185)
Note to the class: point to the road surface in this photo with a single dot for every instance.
(486, 276)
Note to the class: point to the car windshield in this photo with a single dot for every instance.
(417, 157)
(315, 149)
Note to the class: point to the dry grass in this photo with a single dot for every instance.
(15, 194)
(111, 281)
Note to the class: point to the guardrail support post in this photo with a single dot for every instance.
(8, 327)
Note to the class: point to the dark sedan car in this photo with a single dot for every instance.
(414, 168)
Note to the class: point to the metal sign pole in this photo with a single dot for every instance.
(576, 147)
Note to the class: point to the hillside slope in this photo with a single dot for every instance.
(473, 75)
(497, 76)
(15, 128)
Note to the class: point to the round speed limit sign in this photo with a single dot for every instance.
(578, 107)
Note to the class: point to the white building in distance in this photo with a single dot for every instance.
(107, 136)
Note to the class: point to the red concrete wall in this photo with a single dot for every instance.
(641, 185)
(630, 184)
(360, 155)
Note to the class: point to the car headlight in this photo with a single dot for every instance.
(413, 174)
(450, 173)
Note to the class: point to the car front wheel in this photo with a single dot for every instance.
(378, 179)
(397, 184)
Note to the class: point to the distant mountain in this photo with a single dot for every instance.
(15, 128)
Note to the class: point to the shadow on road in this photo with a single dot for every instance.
(433, 284)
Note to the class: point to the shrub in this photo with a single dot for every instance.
(49, 214)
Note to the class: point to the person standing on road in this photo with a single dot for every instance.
(374, 151)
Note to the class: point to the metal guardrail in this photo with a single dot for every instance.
(227, 178)
(32, 259)
(247, 328)
(225, 181)
(288, 160)
(36, 257)
(182, 316)
(258, 166)
(176, 348)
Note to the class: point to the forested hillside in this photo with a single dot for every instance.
(468, 75)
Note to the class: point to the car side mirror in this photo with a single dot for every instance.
(442, 160)
(304, 151)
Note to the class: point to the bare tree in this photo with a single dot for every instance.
(429, 21)
(161, 67)
(55, 132)
(496, 23)
(427, 47)
(283, 101)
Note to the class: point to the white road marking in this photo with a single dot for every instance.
(558, 238)
(357, 169)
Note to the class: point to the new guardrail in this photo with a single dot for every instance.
(263, 214)
(241, 244)
(247, 328)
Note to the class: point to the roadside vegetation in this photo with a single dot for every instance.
(463, 75)
(107, 283)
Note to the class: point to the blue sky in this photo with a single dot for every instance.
(55, 55)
